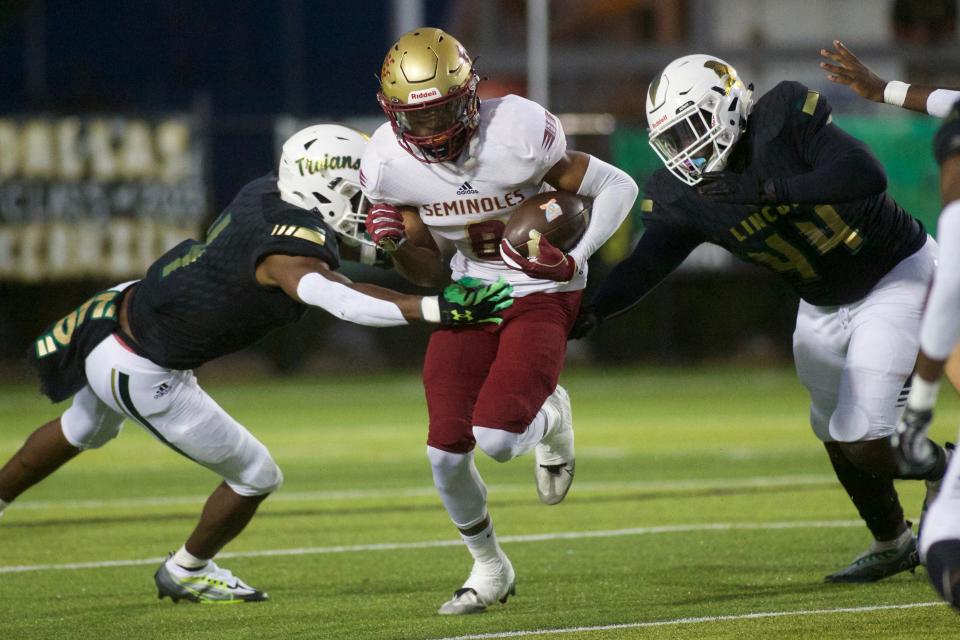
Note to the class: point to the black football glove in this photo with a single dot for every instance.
(470, 301)
(911, 447)
(946, 142)
(587, 320)
(737, 188)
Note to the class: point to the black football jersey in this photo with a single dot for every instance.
(201, 300)
(830, 253)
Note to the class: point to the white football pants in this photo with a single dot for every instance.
(174, 409)
(855, 359)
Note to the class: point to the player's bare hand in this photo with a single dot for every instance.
(847, 69)
(384, 225)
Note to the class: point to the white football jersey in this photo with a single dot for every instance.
(468, 202)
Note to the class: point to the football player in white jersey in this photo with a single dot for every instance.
(447, 171)
(940, 329)
(129, 352)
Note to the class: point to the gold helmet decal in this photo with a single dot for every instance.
(653, 89)
(725, 72)
(424, 65)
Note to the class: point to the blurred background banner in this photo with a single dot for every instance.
(126, 126)
(96, 196)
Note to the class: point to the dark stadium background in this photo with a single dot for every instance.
(242, 64)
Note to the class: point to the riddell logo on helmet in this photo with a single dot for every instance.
(423, 96)
(660, 121)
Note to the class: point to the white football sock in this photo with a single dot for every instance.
(896, 543)
(186, 560)
(483, 546)
(459, 484)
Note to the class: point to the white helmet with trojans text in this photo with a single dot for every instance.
(697, 109)
(320, 171)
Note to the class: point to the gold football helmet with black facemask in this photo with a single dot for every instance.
(428, 89)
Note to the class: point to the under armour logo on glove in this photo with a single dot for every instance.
(384, 225)
(549, 264)
(470, 301)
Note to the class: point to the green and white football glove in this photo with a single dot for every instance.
(470, 301)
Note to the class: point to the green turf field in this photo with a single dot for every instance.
(699, 494)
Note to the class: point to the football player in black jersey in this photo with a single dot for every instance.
(940, 329)
(777, 184)
(127, 353)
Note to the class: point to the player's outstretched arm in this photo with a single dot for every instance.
(309, 280)
(846, 68)
(401, 233)
(661, 249)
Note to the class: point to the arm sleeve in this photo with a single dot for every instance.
(613, 193)
(842, 167)
(941, 320)
(345, 303)
(660, 250)
(940, 101)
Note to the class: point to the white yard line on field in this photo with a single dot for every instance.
(698, 620)
(430, 544)
(416, 492)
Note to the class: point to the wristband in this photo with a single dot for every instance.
(368, 254)
(923, 394)
(895, 93)
(430, 309)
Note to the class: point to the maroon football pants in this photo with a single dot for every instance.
(496, 376)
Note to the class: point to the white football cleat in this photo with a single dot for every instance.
(555, 459)
(209, 584)
(486, 585)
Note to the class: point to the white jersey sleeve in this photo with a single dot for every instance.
(940, 328)
(533, 136)
(374, 168)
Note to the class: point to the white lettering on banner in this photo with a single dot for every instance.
(173, 148)
(103, 149)
(41, 252)
(9, 149)
(68, 144)
(96, 196)
(37, 159)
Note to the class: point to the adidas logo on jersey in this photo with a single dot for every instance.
(466, 189)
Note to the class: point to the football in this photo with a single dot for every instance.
(559, 215)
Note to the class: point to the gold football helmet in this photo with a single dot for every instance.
(428, 89)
